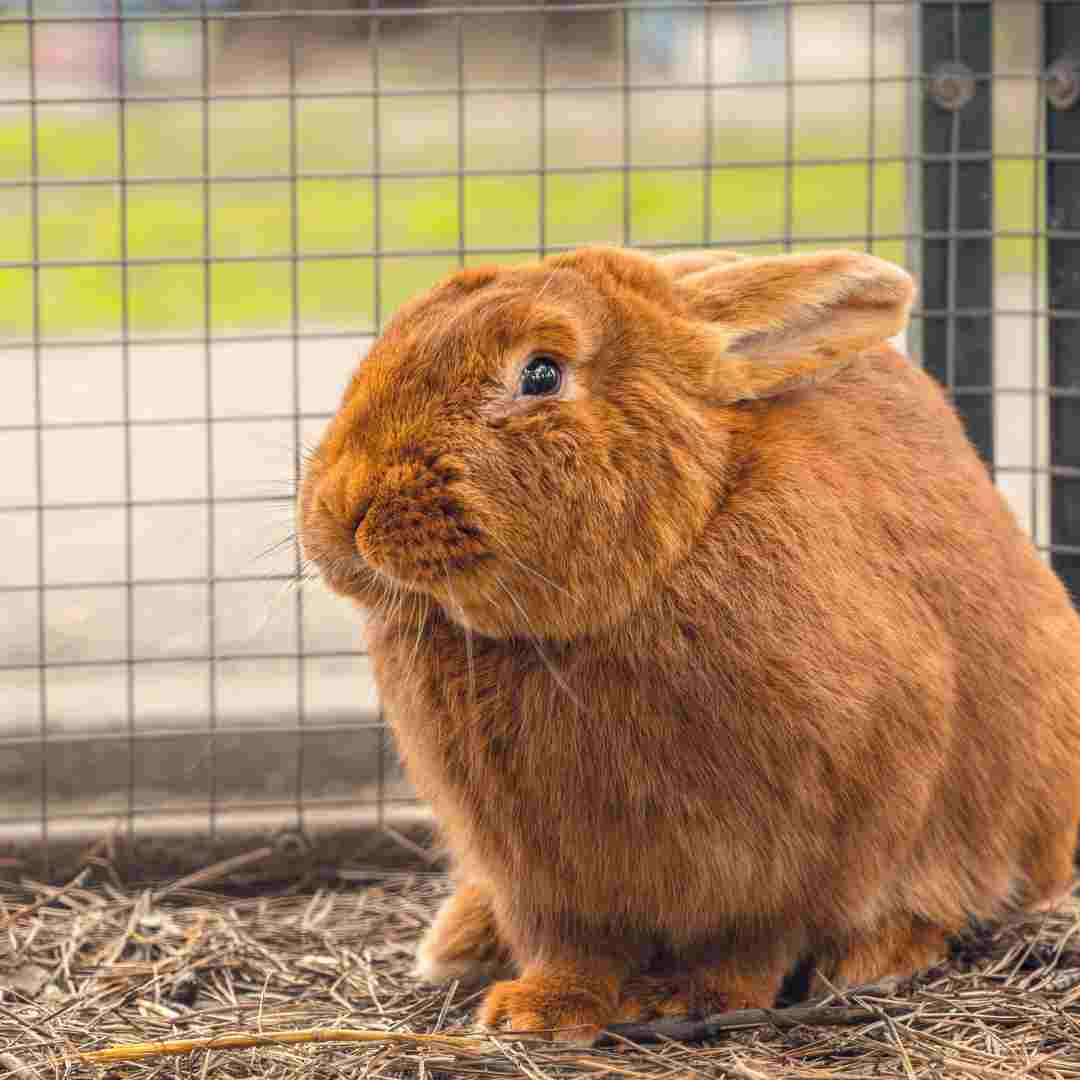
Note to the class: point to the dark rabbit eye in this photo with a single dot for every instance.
(542, 375)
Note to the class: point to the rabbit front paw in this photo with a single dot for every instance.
(550, 1005)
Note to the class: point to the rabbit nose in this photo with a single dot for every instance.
(360, 512)
(345, 495)
(352, 518)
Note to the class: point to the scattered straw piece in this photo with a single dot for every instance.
(172, 1047)
(211, 874)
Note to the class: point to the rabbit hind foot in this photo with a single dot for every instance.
(697, 993)
(886, 957)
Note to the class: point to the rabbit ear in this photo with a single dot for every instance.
(785, 320)
(682, 263)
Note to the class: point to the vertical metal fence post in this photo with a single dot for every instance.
(1061, 44)
(957, 204)
(374, 39)
(122, 90)
(44, 865)
(294, 27)
(208, 406)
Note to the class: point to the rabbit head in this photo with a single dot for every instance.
(532, 447)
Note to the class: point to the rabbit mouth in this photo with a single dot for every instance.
(430, 568)
(476, 587)
(351, 573)
(418, 533)
(438, 559)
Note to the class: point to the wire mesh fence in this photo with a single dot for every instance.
(210, 207)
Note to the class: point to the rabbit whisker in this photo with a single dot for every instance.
(550, 278)
(421, 621)
(391, 598)
(304, 575)
(272, 605)
(468, 635)
(529, 569)
(544, 658)
(275, 547)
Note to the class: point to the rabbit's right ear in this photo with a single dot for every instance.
(785, 320)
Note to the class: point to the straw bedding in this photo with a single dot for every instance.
(88, 967)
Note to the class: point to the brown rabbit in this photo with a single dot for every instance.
(702, 628)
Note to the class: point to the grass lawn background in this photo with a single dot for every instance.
(848, 200)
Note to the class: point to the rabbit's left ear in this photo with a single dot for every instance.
(681, 264)
(786, 320)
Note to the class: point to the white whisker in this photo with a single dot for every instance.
(531, 635)
(421, 619)
(550, 278)
(468, 635)
(529, 569)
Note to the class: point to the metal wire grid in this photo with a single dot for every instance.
(315, 749)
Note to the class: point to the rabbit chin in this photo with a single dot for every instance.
(377, 588)
(474, 620)
(465, 596)
(467, 602)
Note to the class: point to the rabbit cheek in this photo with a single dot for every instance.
(415, 530)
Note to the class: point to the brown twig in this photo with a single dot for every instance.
(49, 896)
(216, 872)
(743, 1019)
(172, 1047)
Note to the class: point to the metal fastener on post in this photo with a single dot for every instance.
(292, 842)
(1062, 82)
(952, 85)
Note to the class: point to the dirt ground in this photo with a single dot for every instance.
(94, 966)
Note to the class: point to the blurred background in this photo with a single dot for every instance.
(208, 208)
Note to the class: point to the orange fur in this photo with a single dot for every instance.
(726, 656)
(896, 951)
(571, 1000)
(464, 941)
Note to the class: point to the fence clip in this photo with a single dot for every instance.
(951, 85)
(1062, 83)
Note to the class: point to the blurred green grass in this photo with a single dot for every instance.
(335, 217)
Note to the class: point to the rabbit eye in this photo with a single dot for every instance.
(542, 375)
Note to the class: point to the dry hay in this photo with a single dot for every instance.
(87, 968)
